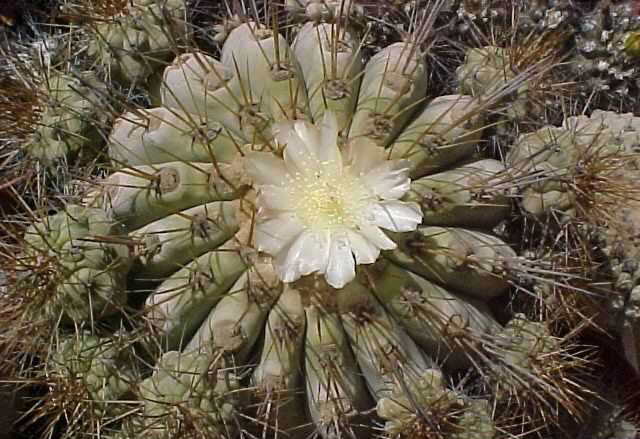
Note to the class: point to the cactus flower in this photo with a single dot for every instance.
(322, 207)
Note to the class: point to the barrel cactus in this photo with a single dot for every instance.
(301, 243)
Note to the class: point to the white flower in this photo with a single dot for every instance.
(321, 210)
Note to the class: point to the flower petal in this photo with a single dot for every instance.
(274, 234)
(341, 267)
(312, 177)
(310, 135)
(265, 168)
(364, 250)
(281, 129)
(329, 151)
(313, 255)
(275, 198)
(363, 155)
(309, 253)
(397, 216)
(286, 272)
(297, 157)
(390, 180)
(377, 237)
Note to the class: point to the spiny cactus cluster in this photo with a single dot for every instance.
(72, 118)
(88, 275)
(562, 158)
(608, 49)
(301, 240)
(130, 39)
(598, 40)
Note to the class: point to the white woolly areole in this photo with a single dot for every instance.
(321, 210)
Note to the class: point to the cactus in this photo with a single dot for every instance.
(173, 182)
(620, 249)
(72, 120)
(82, 251)
(585, 173)
(304, 243)
(484, 70)
(132, 39)
(599, 40)
(322, 10)
(491, 71)
(525, 350)
(456, 416)
(189, 387)
(605, 43)
(100, 364)
(566, 162)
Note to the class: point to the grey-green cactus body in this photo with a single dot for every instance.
(101, 366)
(551, 161)
(86, 251)
(73, 119)
(313, 358)
(134, 42)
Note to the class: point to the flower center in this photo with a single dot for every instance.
(328, 197)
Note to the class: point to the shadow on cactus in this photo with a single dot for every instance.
(296, 243)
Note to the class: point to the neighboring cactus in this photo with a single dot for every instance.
(73, 119)
(605, 40)
(577, 167)
(132, 39)
(322, 10)
(520, 345)
(78, 259)
(618, 240)
(189, 391)
(485, 70)
(531, 370)
(519, 80)
(426, 405)
(583, 175)
(599, 40)
(103, 367)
